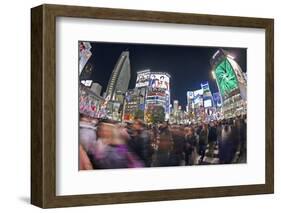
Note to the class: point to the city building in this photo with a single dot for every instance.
(232, 83)
(218, 104)
(96, 88)
(84, 54)
(91, 103)
(132, 106)
(119, 79)
(85, 68)
(178, 115)
(150, 99)
(155, 89)
(200, 104)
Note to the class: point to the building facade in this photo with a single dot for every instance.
(151, 94)
(119, 80)
(155, 88)
(232, 84)
(200, 104)
(96, 88)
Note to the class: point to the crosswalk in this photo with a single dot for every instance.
(208, 159)
(214, 159)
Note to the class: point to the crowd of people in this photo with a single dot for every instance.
(107, 144)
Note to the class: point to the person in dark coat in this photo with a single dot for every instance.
(190, 144)
(229, 142)
(203, 141)
(177, 152)
(140, 143)
(212, 139)
(164, 149)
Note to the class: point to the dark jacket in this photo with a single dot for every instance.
(141, 146)
(190, 143)
(212, 136)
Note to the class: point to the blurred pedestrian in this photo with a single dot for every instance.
(84, 161)
(203, 141)
(111, 150)
(190, 143)
(178, 143)
(212, 139)
(164, 149)
(140, 143)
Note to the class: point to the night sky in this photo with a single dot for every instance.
(187, 65)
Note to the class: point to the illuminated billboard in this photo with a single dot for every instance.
(238, 71)
(143, 79)
(159, 81)
(198, 100)
(198, 92)
(87, 83)
(226, 78)
(157, 92)
(217, 99)
(208, 103)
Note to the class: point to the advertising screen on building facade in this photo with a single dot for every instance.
(159, 81)
(208, 103)
(143, 79)
(226, 78)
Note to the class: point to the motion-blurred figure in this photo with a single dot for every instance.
(111, 150)
(177, 152)
(212, 139)
(140, 143)
(190, 143)
(164, 149)
(203, 141)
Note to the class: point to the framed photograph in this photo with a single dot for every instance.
(136, 106)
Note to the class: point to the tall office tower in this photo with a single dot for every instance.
(120, 78)
(231, 82)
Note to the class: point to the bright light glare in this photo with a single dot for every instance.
(230, 56)
(213, 74)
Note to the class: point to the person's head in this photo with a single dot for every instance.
(138, 125)
(106, 130)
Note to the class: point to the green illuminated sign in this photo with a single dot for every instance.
(226, 78)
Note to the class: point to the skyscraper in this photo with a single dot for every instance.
(120, 78)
